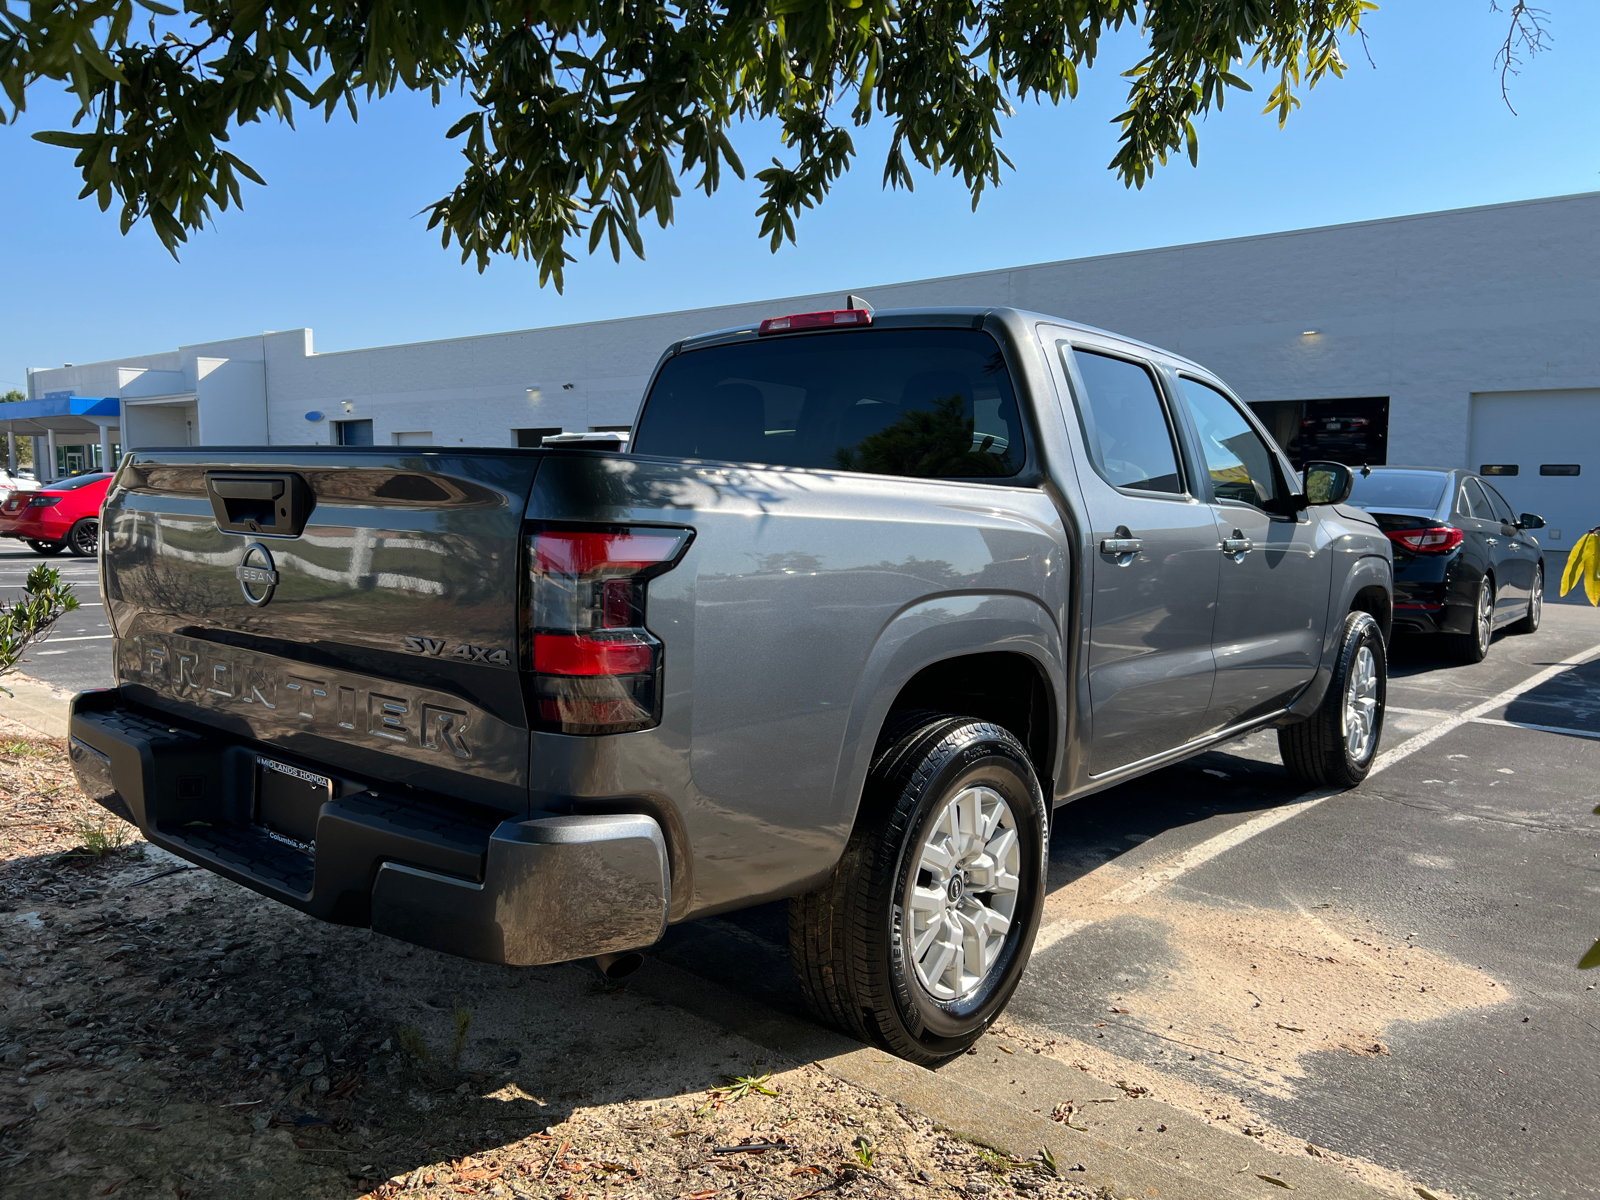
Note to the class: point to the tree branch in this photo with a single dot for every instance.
(1527, 35)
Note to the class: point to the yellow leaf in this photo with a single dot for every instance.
(1574, 571)
(1591, 570)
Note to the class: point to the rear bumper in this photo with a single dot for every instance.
(543, 890)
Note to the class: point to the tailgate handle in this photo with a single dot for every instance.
(247, 489)
(271, 503)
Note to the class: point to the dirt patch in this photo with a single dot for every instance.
(1257, 990)
(164, 1032)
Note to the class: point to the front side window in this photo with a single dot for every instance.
(921, 402)
(1125, 424)
(1237, 458)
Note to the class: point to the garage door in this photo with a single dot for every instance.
(1542, 449)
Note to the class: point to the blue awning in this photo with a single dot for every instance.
(66, 414)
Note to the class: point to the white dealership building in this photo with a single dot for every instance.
(1461, 338)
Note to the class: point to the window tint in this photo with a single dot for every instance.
(1399, 489)
(77, 481)
(1240, 464)
(1478, 502)
(1125, 424)
(922, 402)
(1502, 510)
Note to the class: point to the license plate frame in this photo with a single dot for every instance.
(287, 802)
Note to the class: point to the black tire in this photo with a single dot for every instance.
(1473, 646)
(83, 539)
(849, 939)
(1530, 623)
(47, 548)
(1317, 751)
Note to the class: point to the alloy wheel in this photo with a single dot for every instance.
(1485, 629)
(1361, 706)
(86, 537)
(963, 896)
(1538, 598)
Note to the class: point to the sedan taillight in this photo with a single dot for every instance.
(43, 501)
(1432, 539)
(596, 667)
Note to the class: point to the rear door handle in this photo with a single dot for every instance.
(1121, 545)
(1237, 544)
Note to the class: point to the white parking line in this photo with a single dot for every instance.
(92, 637)
(1203, 853)
(1583, 733)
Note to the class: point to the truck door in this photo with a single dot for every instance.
(1272, 598)
(1153, 565)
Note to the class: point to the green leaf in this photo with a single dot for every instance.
(1591, 960)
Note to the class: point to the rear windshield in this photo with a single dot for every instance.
(77, 481)
(1399, 489)
(924, 402)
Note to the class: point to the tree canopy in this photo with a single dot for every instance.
(587, 118)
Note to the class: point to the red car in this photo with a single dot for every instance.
(64, 515)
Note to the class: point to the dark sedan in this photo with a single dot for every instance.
(1464, 565)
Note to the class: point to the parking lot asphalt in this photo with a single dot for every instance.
(77, 654)
(1388, 973)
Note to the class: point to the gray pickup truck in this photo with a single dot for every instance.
(870, 597)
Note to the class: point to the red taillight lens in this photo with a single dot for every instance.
(43, 501)
(1433, 539)
(596, 668)
(816, 320)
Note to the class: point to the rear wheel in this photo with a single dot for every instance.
(1530, 623)
(47, 548)
(1335, 746)
(1473, 646)
(83, 539)
(919, 938)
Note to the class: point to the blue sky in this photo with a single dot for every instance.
(334, 241)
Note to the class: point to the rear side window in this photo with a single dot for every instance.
(1125, 424)
(1478, 503)
(922, 402)
(1502, 510)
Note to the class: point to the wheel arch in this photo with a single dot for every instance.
(953, 650)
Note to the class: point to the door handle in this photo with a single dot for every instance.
(1237, 544)
(1121, 545)
(1491, 541)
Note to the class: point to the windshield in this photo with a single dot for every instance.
(1399, 489)
(924, 402)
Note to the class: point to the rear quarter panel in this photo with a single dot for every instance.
(805, 601)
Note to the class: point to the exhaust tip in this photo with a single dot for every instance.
(618, 966)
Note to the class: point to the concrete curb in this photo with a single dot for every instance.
(36, 704)
(971, 1099)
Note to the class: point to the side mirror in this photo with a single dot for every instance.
(1530, 521)
(1328, 482)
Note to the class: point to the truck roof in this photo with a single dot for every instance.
(961, 315)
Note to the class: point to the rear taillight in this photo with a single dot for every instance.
(43, 501)
(595, 667)
(1433, 539)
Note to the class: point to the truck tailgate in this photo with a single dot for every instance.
(381, 636)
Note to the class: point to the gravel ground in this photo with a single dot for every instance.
(164, 1032)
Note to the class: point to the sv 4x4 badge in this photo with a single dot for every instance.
(435, 647)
